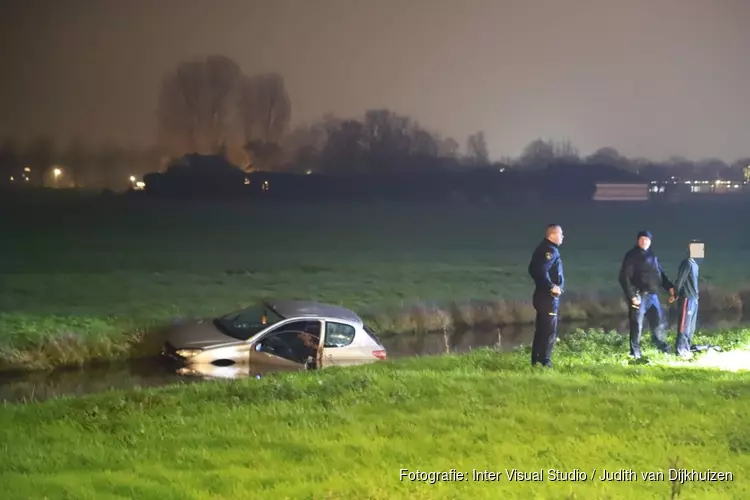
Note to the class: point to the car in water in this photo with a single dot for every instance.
(280, 335)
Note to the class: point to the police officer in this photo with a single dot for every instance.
(686, 288)
(641, 276)
(546, 270)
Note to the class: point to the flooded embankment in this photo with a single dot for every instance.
(153, 372)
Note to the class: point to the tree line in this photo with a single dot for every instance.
(546, 153)
(209, 106)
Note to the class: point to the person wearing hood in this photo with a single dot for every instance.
(640, 277)
(686, 287)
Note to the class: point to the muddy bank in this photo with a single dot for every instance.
(154, 371)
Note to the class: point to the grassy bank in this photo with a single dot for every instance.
(347, 433)
(85, 279)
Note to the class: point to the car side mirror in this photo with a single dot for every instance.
(258, 346)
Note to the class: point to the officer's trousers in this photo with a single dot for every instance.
(650, 309)
(688, 318)
(545, 332)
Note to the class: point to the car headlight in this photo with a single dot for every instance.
(187, 372)
(188, 353)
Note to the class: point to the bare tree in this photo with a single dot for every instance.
(346, 146)
(388, 136)
(537, 154)
(424, 143)
(448, 148)
(382, 141)
(565, 150)
(266, 110)
(608, 156)
(197, 106)
(476, 149)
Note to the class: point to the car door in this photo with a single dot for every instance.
(288, 346)
(338, 345)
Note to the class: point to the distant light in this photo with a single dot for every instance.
(247, 181)
(132, 178)
(27, 169)
(11, 178)
(140, 185)
(308, 172)
(57, 172)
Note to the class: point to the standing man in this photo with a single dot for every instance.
(546, 270)
(686, 287)
(641, 276)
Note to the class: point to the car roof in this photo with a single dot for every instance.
(292, 308)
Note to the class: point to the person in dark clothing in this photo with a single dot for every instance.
(686, 289)
(546, 269)
(641, 276)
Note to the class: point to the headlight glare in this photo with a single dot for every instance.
(188, 353)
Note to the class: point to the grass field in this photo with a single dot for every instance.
(81, 279)
(347, 433)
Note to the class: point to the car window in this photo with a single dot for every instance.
(245, 323)
(339, 334)
(371, 333)
(294, 341)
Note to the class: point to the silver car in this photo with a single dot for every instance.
(278, 335)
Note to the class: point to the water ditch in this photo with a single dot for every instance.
(154, 372)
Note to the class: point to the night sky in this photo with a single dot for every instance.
(652, 78)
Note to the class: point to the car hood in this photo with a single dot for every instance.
(201, 334)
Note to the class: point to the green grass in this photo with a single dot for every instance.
(85, 278)
(347, 432)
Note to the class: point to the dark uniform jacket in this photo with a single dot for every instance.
(642, 273)
(546, 269)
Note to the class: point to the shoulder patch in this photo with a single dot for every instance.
(548, 256)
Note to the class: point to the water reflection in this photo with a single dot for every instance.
(36, 386)
(153, 372)
(234, 372)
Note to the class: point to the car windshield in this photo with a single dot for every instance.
(247, 322)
